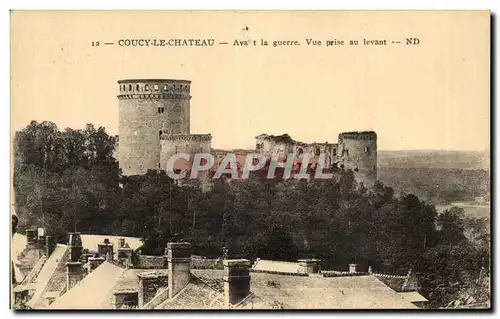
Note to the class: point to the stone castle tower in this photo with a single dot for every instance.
(155, 123)
(357, 151)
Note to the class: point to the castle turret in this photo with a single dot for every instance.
(148, 109)
(357, 151)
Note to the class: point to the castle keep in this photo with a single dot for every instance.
(155, 124)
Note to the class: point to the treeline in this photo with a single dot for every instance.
(438, 185)
(68, 180)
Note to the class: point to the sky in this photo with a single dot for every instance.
(434, 95)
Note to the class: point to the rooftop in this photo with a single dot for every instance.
(92, 292)
(304, 292)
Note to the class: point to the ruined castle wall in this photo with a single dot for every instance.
(274, 149)
(278, 150)
(190, 144)
(147, 109)
(358, 151)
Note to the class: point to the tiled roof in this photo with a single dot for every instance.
(276, 266)
(212, 278)
(296, 292)
(149, 262)
(48, 271)
(399, 283)
(358, 292)
(92, 291)
(196, 295)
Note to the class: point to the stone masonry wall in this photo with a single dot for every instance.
(149, 108)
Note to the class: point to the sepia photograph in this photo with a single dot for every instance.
(250, 160)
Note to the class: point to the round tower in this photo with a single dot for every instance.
(148, 109)
(357, 151)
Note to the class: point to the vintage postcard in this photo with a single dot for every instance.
(185, 160)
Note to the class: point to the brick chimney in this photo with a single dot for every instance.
(124, 253)
(75, 271)
(309, 266)
(179, 259)
(106, 249)
(353, 268)
(236, 281)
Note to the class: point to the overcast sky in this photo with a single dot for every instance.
(431, 96)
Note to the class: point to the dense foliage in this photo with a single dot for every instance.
(438, 185)
(69, 180)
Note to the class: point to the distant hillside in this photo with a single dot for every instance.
(434, 159)
(440, 177)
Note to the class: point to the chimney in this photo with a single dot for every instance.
(75, 247)
(40, 234)
(106, 249)
(149, 284)
(309, 266)
(125, 253)
(50, 245)
(179, 259)
(236, 281)
(353, 268)
(94, 262)
(74, 271)
(31, 236)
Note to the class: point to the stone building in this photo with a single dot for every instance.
(356, 151)
(107, 272)
(155, 124)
